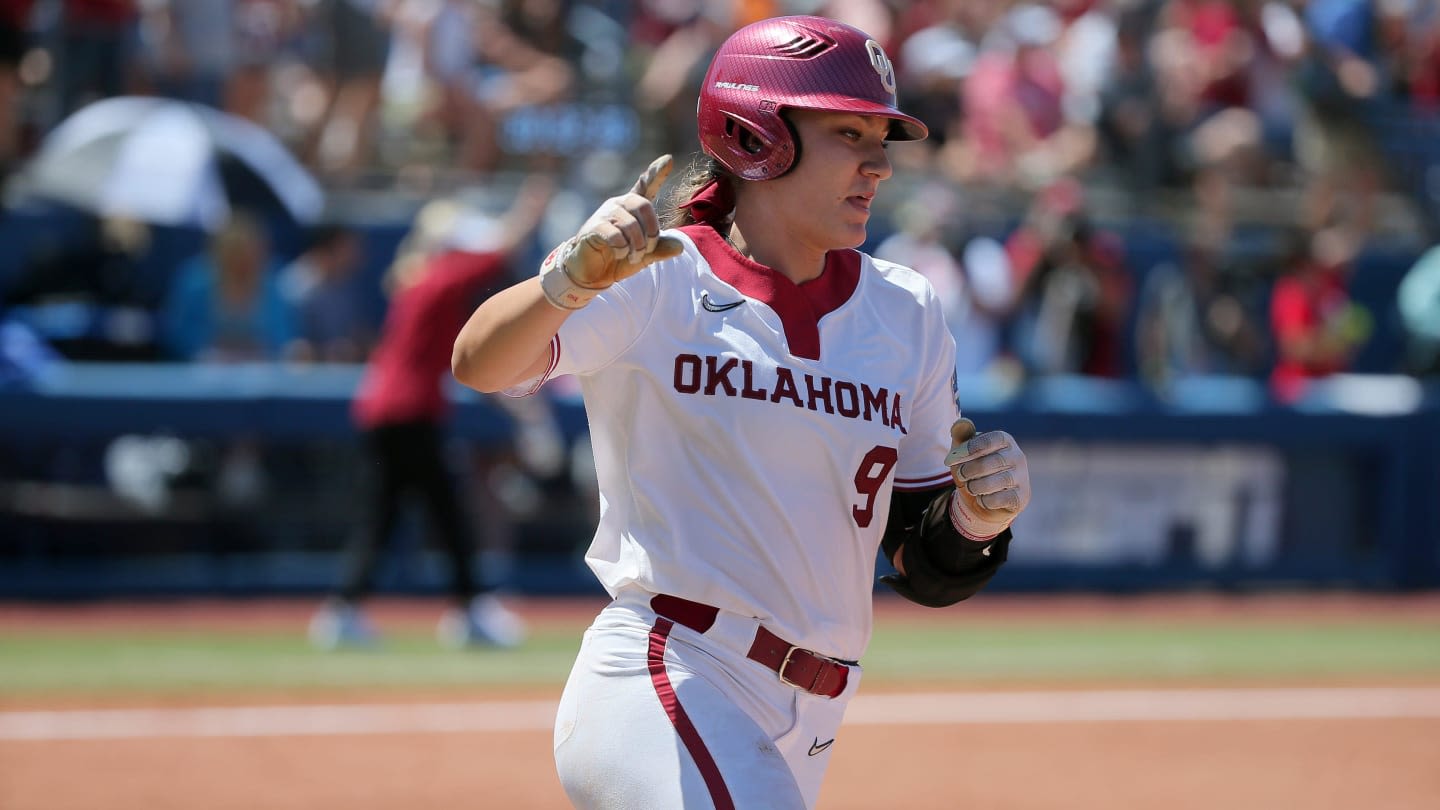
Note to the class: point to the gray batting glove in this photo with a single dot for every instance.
(621, 238)
(992, 480)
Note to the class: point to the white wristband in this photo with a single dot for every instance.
(560, 290)
(970, 526)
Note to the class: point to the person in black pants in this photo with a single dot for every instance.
(409, 458)
(401, 408)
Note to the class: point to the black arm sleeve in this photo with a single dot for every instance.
(941, 566)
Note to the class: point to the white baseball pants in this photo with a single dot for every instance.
(657, 716)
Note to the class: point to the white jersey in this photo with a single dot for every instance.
(748, 432)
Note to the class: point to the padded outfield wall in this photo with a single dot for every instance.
(111, 482)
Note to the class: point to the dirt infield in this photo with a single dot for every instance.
(1312, 764)
(1066, 747)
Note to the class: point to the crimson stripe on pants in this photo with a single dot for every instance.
(689, 735)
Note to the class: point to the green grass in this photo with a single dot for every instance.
(75, 662)
(176, 663)
(1189, 650)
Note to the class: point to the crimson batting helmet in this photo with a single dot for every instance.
(809, 63)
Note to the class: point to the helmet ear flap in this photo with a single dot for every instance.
(795, 146)
(778, 159)
(744, 135)
(772, 149)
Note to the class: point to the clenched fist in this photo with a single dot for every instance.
(992, 481)
(616, 242)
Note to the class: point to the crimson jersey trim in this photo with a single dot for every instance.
(800, 306)
(928, 482)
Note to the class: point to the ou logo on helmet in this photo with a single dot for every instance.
(882, 65)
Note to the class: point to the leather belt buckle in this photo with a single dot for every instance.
(784, 668)
(827, 679)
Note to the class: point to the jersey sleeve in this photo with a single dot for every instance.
(923, 448)
(592, 337)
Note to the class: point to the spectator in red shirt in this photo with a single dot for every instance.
(1316, 326)
(401, 409)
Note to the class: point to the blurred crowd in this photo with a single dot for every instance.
(1060, 129)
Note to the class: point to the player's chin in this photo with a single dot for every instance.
(851, 234)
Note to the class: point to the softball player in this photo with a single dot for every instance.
(768, 407)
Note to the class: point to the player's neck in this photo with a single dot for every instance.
(767, 242)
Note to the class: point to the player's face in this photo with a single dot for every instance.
(829, 191)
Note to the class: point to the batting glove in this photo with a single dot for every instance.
(616, 242)
(992, 480)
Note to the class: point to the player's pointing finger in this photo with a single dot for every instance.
(649, 183)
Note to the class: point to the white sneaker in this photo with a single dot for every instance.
(485, 623)
(338, 624)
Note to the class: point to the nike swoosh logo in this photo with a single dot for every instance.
(711, 306)
(817, 746)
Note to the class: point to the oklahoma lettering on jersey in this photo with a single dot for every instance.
(711, 374)
(748, 432)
